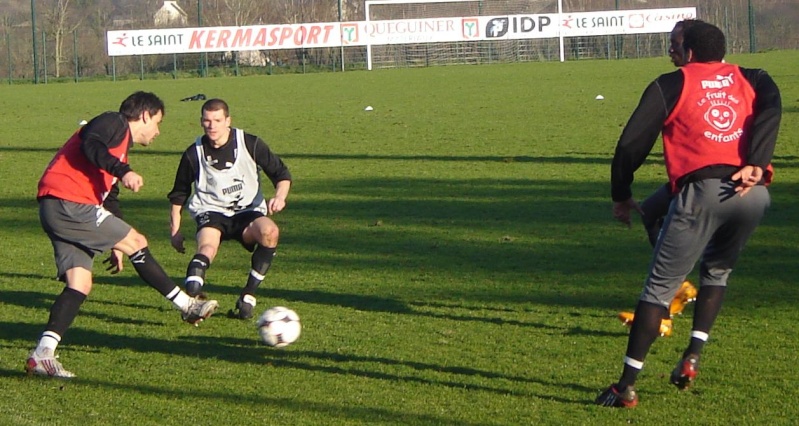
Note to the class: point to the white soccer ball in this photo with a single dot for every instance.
(279, 326)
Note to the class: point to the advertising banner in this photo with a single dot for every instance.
(400, 31)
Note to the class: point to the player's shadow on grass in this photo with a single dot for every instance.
(351, 365)
(382, 304)
(578, 158)
(27, 299)
(354, 301)
(287, 404)
(246, 351)
(43, 301)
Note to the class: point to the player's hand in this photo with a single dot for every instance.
(132, 181)
(114, 261)
(177, 242)
(275, 205)
(621, 210)
(747, 177)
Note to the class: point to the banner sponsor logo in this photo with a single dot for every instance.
(516, 25)
(403, 31)
(139, 40)
(624, 22)
(349, 34)
(588, 22)
(471, 28)
(286, 36)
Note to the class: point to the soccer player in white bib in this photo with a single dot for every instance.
(221, 168)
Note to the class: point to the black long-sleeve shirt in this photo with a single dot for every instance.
(657, 103)
(107, 130)
(222, 158)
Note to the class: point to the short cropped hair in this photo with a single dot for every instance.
(705, 41)
(688, 23)
(137, 103)
(215, 104)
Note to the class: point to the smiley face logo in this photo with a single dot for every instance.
(721, 116)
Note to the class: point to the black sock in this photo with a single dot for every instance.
(151, 272)
(197, 267)
(260, 262)
(64, 310)
(644, 331)
(706, 310)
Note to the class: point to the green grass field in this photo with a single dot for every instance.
(451, 254)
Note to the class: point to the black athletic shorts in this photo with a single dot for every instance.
(232, 227)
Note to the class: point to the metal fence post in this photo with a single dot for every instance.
(617, 41)
(75, 52)
(8, 51)
(341, 49)
(44, 56)
(752, 44)
(35, 53)
(204, 55)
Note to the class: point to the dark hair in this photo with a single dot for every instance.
(688, 23)
(215, 104)
(705, 41)
(137, 103)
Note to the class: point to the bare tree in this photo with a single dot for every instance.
(235, 12)
(61, 21)
(16, 42)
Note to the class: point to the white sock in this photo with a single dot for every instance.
(48, 343)
(179, 298)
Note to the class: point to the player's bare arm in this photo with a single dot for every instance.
(277, 203)
(176, 237)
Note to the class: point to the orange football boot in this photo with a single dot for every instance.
(666, 324)
(685, 295)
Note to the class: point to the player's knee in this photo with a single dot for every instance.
(137, 240)
(269, 235)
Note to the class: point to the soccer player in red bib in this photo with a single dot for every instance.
(719, 123)
(79, 211)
